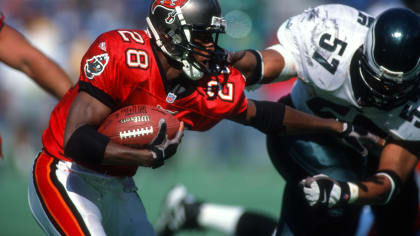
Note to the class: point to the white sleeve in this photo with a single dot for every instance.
(288, 48)
(299, 38)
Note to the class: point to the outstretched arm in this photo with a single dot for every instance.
(264, 66)
(18, 53)
(276, 119)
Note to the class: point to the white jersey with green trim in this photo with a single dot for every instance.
(322, 42)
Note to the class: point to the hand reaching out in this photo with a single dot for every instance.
(359, 138)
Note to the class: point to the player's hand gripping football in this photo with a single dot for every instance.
(359, 138)
(162, 147)
(321, 190)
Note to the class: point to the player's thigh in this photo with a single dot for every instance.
(136, 214)
(38, 212)
(63, 201)
(125, 213)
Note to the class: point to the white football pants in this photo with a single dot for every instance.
(68, 199)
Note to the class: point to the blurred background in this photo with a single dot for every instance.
(228, 164)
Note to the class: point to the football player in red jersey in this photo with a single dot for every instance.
(82, 182)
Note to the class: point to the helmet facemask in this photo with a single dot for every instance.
(178, 41)
(385, 90)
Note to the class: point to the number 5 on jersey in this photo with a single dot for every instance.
(330, 45)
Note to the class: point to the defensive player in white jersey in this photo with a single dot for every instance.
(354, 68)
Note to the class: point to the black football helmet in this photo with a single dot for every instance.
(174, 23)
(390, 63)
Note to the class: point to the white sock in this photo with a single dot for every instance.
(219, 217)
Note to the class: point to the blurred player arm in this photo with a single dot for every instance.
(18, 53)
(82, 142)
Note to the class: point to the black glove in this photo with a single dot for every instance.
(321, 190)
(162, 147)
(358, 138)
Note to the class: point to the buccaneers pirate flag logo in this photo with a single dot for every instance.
(169, 5)
(96, 65)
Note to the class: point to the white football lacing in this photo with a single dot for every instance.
(136, 132)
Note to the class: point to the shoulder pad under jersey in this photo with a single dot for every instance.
(322, 41)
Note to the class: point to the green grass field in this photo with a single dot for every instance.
(256, 186)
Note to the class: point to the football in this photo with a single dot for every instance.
(137, 125)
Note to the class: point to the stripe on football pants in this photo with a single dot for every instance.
(56, 203)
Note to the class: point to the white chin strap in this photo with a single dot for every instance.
(191, 71)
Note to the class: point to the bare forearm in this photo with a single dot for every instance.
(18, 53)
(395, 167)
(47, 74)
(298, 122)
(373, 191)
(116, 154)
(277, 118)
(247, 63)
(88, 146)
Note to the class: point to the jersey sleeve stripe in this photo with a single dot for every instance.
(59, 207)
(98, 94)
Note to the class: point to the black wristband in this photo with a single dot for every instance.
(345, 193)
(259, 70)
(269, 117)
(86, 145)
(395, 182)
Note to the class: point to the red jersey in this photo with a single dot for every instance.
(121, 68)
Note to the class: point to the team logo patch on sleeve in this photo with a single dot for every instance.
(96, 65)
